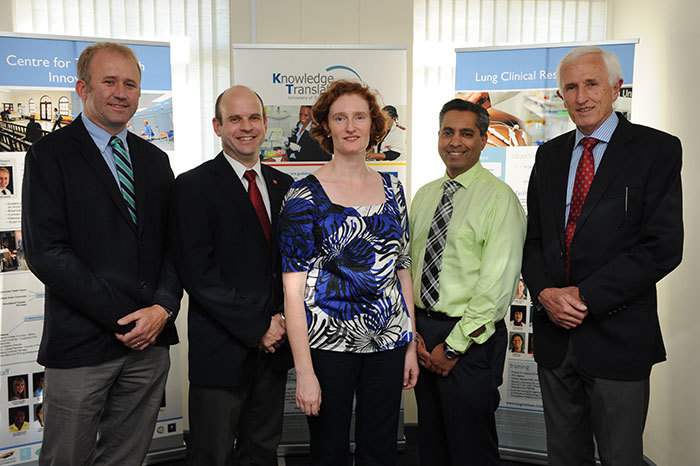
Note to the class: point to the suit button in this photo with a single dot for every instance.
(143, 284)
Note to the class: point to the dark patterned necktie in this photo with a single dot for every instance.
(258, 204)
(125, 173)
(432, 264)
(582, 183)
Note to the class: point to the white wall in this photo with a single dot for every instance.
(667, 66)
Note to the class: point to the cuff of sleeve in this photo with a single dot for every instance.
(172, 311)
(461, 342)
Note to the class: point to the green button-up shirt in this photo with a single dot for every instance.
(482, 256)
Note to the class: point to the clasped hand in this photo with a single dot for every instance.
(148, 323)
(275, 335)
(564, 306)
(434, 361)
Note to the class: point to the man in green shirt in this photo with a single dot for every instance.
(467, 234)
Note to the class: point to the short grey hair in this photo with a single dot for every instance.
(612, 64)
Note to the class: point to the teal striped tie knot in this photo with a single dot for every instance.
(125, 173)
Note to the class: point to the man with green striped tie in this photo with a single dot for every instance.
(95, 202)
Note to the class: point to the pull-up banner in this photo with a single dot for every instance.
(37, 80)
(518, 87)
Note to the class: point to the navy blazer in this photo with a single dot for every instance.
(628, 237)
(228, 269)
(80, 241)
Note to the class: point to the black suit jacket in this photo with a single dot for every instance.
(230, 273)
(81, 243)
(628, 237)
(311, 150)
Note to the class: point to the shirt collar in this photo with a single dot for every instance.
(100, 136)
(240, 169)
(466, 178)
(602, 133)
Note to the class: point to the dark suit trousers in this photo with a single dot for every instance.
(251, 414)
(456, 421)
(375, 380)
(578, 406)
(120, 399)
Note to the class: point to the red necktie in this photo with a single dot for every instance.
(258, 204)
(582, 183)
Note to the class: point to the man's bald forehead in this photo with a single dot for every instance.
(239, 89)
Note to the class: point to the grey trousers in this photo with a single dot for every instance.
(578, 407)
(118, 399)
(249, 414)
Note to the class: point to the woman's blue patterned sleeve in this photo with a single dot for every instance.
(296, 229)
(404, 259)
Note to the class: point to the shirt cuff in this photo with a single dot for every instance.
(461, 343)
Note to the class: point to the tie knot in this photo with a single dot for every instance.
(115, 141)
(589, 143)
(249, 175)
(451, 186)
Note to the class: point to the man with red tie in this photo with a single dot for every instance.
(223, 223)
(604, 225)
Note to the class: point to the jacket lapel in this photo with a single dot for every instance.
(615, 155)
(227, 180)
(89, 151)
(276, 192)
(558, 184)
(141, 169)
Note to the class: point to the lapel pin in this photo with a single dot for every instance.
(274, 181)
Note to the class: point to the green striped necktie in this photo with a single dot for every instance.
(125, 173)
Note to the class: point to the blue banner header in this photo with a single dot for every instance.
(525, 68)
(49, 63)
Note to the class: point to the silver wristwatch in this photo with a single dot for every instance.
(450, 352)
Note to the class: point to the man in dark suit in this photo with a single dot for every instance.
(596, 246)
(301, 146)
(94, 222)
(224, 222)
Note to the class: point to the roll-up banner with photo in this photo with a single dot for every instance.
(289, 78)
(518, 87)
(37, 82)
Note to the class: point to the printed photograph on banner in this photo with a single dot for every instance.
(17, 387)
(11, 251)
(38, 384)
(521, 293)
(530, 117)
(18, 419)
(10, 187)
(518, 315)
(289, 138)
(38, 423)
(29, 114)
(516, 343)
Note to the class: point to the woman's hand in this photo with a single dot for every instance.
(410, 367)
(308, 395)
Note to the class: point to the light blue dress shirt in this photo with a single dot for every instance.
(101, 138)
(603, 133)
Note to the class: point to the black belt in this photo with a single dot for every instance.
(436, 315)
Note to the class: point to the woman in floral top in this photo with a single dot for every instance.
(348, 294)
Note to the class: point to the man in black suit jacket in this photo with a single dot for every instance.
(596, 321)
(111, 290)
(224, 222)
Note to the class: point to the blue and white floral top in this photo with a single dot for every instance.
(351, 255)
